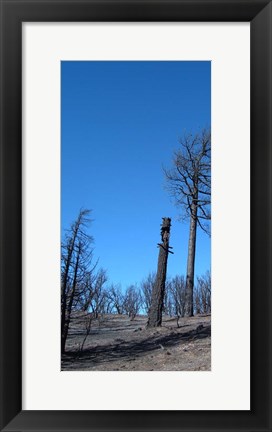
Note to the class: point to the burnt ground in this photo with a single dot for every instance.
(116, 343)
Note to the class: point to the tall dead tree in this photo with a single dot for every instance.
(155, 312)
(76, 257)
(189, 181)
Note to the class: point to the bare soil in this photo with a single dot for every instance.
(116, 343)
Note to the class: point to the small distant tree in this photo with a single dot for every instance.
(116, 299)
(176, 289)
(189, 182)
(132, 301)
(168, 305)
(146, 291)
(99, 295)
(203, 294)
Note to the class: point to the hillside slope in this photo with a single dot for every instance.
(117, 344)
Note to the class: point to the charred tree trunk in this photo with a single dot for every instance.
(189, 290)
(64, 288)
(65, 330)
(155, 313)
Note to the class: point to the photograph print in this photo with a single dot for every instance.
(135, 216)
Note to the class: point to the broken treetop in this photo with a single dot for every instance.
(165, 228)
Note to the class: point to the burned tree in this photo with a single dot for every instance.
(116, 299)
(132, 301)
(76, 257)
(146, 290)
(155, 313)
(202, 297)
(189, 182)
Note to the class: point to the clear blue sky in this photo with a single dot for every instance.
(121, 122)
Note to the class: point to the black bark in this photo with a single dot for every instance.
(76, 257)
(158, 291)
(64, 333)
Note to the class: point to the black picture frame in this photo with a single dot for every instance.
(13, 14)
